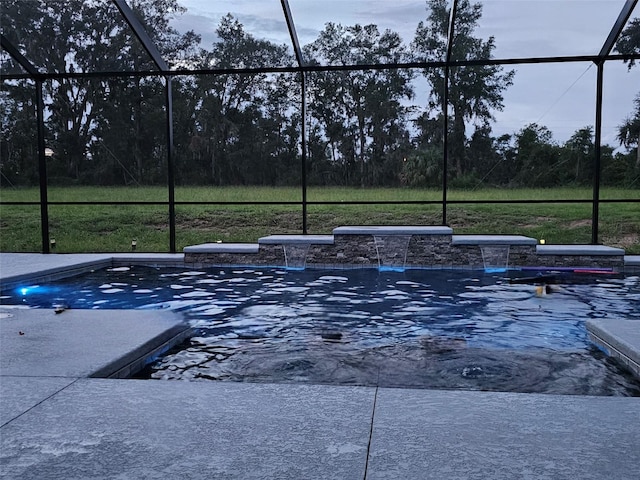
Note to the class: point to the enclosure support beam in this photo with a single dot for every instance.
(292, 31)
(42, 157)
(303, 108)
(42, 169)
(597, 160)
(18, 57)
(170, 166)
(445, 143)
(141, 34)
(445, 111)
(303, 134)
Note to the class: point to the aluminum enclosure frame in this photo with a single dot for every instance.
(302, 68)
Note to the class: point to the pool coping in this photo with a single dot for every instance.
(618, 338)
(16, 268)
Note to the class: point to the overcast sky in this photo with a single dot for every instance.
(559, 96)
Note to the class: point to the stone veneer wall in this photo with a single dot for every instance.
(599, 261)
(269, 255)
(426, 251)
(471, 256)
(430, 250)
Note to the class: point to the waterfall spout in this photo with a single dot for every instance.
(392, 252)
(295, 255)
(495, 258)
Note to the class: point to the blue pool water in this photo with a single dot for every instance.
(418, 328)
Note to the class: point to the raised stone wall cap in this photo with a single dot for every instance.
(393, 230)
(297, 239)
(632, 260)
(147, 258)
(223, 248)
(578, 250)
(492, 240)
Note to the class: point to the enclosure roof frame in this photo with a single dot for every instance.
(321, 68)
(617, 28)
(142, 35)
(11, 49)
(292, 32)
(156, 56)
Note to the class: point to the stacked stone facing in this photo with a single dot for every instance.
(428, 247)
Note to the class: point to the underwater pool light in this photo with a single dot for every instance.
(24, 291)
(35, 289)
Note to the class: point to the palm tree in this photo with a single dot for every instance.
(629, 131)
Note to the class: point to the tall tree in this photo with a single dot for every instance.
(579, 154)
(629, 41)
(629, 131)
(474, 92)
(538, 158)
(132, 123)
(18, 134)
(84, 115)
(55, 38)
(361, 112)
(229, 129)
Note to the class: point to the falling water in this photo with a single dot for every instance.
(392, 252)
(295, 255)
(495, 258)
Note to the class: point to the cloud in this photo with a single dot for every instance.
(539, 28)
(203, 25)
(554, 95)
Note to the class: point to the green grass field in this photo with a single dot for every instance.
(110, 228)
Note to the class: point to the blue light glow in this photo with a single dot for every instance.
(35, 289)
(384, 268)
(24, 291)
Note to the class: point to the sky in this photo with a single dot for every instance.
(558, 96)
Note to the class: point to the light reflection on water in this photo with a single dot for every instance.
(418, 328)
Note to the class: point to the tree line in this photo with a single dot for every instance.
(362, 126)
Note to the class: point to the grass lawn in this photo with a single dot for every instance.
(110, 228)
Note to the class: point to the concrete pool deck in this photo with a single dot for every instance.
(57, 422)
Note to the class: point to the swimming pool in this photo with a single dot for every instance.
(454, 329)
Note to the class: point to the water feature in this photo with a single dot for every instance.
(295, 255)
(495, 258)
(418, 328)
(392, 251)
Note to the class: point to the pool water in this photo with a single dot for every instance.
(419, 328)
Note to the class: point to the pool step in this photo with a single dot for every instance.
(618, 338)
